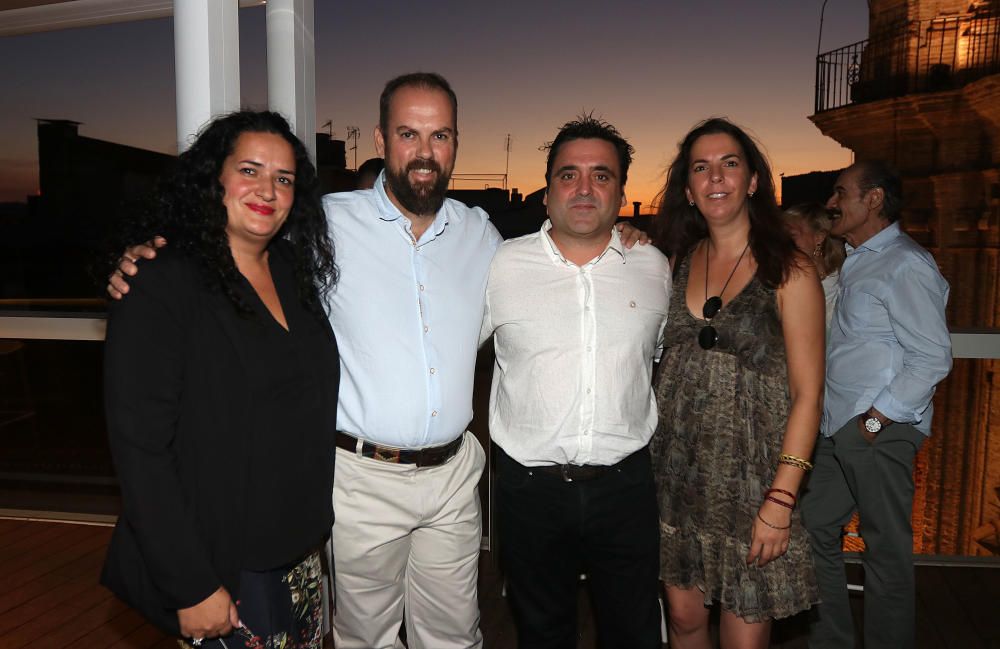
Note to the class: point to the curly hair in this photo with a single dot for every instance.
(588, 127)
(187, 209)
(816, 217)
(679, 226)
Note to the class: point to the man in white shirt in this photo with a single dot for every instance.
(577, 319)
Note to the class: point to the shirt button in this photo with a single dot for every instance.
(433, 371)
(588, 390)
(426, 328)
(434, 413)
(586, 308)
(421, 287)
(632, 304)
(589, 348)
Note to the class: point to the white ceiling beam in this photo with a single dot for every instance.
(51, 16)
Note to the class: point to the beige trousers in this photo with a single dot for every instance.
(407, 538)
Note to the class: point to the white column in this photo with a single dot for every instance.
(207, 62)
(291, 66)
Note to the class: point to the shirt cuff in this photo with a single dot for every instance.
(896, 410)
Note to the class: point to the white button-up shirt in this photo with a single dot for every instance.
(574, 347)
(406, 314)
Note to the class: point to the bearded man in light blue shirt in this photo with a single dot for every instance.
(889, 347)
(407, 310)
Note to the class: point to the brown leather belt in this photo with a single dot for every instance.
(430, 456)
(574, 472)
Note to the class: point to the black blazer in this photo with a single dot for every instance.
(179, 410)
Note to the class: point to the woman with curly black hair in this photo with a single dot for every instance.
(221, 377)
(738, 393)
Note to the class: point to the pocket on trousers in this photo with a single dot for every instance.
(512, 475)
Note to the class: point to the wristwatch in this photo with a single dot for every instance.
(871, 423)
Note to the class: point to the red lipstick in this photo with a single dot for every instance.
(264, 210)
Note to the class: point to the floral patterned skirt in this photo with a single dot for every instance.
(280, 609)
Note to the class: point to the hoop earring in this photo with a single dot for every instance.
(691, 203)
(750, 194)
(818, 250)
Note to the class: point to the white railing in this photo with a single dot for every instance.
(966, 343)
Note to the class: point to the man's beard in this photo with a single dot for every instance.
(422, 199)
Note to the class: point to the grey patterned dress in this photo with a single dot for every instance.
(722, 415)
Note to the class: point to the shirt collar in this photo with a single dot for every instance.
(387, 211)
(879, 241)
(615, 244)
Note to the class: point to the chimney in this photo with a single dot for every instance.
(635, 207)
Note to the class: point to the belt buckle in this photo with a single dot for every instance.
(391, 455)
(564, 469)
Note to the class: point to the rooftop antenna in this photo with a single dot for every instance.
(352, 134)
(506, 168)
(329, 127)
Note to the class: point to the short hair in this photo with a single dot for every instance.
(818, 219)
(588, 127)
(426, 80)
(372, 166)
(878, 174)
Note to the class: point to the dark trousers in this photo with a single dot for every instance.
(877, 480)
(551, 531)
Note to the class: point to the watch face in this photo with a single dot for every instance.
(873, 425)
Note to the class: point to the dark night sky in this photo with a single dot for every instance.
(520, 67)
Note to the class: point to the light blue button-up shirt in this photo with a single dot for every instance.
(889, 344)
(407, 316)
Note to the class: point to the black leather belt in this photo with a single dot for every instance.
(430, 456)
(574, 472)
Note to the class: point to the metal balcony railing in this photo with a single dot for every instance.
(914, 57)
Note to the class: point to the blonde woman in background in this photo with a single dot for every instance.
(809, 224)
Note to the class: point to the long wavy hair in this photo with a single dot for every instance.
(188, 211)
(679, 226)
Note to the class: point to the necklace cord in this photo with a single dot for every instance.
(731, 273)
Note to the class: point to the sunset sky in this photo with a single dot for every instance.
(652, 68)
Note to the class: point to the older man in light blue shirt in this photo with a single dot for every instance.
(889, 347)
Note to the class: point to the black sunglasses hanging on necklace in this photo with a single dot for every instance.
(708, 337)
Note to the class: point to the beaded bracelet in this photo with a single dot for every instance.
(792, 460)
(779, 502)
(773, 527)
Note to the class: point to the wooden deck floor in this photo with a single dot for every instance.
(50, 598)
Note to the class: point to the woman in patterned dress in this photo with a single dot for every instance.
(739, 393)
